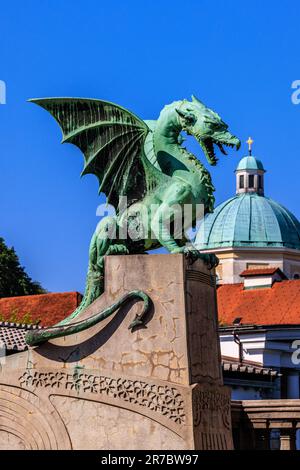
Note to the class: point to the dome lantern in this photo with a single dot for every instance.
(250, 174)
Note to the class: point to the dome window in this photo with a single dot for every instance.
(251, 181)
(242, 181)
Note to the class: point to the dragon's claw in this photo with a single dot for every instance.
(117, 249)
(210, 259)
(191, 254)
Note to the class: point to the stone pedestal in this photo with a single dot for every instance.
(159, 387)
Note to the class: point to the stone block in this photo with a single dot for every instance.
(158, 387)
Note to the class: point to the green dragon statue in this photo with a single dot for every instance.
(146, 175)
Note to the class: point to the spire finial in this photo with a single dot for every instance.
(250, 142)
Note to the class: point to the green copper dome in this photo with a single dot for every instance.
(249, 220)
(250, 163)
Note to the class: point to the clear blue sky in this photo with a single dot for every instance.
(239, 57)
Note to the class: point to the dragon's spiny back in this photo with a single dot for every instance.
(149, 144)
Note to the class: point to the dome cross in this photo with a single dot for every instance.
(250, 142)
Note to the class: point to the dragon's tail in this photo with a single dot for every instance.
(35, 337)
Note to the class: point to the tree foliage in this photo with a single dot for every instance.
(14, 280)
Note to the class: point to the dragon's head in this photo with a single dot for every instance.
(207, 127)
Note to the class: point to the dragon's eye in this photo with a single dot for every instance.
(190, 119)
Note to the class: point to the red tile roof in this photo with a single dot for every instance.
(261, 272)
(276, 305)
(47, 309)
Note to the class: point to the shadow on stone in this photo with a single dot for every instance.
(69, 354)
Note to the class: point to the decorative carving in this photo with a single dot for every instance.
(198, 276)
(211, 401)
(162, 399)
(28, 422)
(203, 343)
(213, 441)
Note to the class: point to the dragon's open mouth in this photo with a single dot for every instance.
(209, 149)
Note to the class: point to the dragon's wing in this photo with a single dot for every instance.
(112, 141)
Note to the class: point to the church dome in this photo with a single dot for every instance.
(250, 163)
(249, 219)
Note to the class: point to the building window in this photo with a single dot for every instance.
(242, 182)
(260, 182)
(257, 265)
(251, 181)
